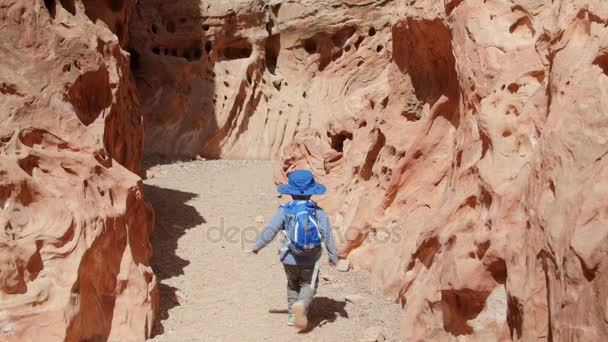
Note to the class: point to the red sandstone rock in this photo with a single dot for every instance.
(469, 173)
(74, 256)
(463, 143)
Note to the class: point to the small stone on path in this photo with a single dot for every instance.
(343, 265)
(373, 334)
(354, 298)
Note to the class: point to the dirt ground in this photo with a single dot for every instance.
(212, 290)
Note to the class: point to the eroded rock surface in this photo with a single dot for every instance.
(74, 252)
(463, 141)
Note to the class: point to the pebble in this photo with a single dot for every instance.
(327, 278)
(343, 265)
(354, 298)
(373, 334)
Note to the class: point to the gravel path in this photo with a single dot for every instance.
(211, 290)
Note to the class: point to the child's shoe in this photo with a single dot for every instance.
(299, 311)
(290, 319)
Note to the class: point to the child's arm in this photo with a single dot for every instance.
(328, 237)
(271, 230)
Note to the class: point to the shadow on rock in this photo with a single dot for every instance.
(324, 310)
(173, 217)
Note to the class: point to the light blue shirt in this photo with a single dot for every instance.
(277, 223)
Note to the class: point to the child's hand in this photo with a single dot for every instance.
(253, 251)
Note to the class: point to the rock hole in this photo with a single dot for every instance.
(523, 22)
(539, 75)
(337, 141)
(156, 50)
(310, 46)
(90, 95)
(485, 198)
(506, 133)
(304, 94)
(498, 270)
(513, 88)
(427, 251)
(35, 265)
(459, 306)
(589, 273)
(347, 48)
(51, 7)
(205, 27)
(116, 5)
(337, 55)
(602, 62)
(552, 187)
(486, 143)
(183, 20)
(69, 6)
(451, 5)
(134, 59)
(372, 31)
(384, 102)
(271, 50)
(339, 38)
(459, 159)
(238, 50)
(379, 48)
(208, 47)
(423, 50)
(165, 51)
(515, 317)
(29, 163)
(358, 42)
(154, 29)
(372, 104)
(226, 84)
(512, 110)
(170, 27)
(411, 116)
(197, 53)
(360, 63)
(372, 154)
(418, 154)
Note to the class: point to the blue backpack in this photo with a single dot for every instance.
(301, 227)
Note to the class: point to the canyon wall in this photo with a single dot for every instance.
(75, 245)
(463, 142)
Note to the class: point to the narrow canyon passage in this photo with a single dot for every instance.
(212, 290)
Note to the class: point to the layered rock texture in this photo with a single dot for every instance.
(463, 142)
(74, 248)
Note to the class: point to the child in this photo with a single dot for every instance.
(305, 227)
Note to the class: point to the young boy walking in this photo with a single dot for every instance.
(305, 227)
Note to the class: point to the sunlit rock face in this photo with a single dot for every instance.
(463, 142)
(74, 252)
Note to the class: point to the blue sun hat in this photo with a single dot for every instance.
(301, 183)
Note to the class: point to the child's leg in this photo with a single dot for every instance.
(293, 284)
(307, 290)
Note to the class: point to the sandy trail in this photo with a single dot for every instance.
(211, 290)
